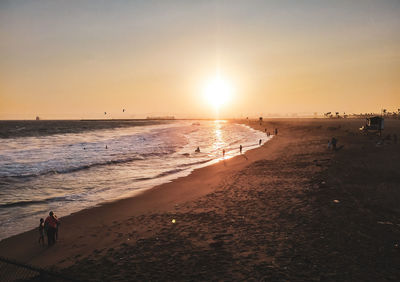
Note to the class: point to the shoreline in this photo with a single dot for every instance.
(146, 195)
(288, 210)
(157, 181)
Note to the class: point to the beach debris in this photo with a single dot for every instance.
(323, 182)
(173, 220)
(321, 160)
(220, 236)
(336, 201)
(217, 244)
(385, 222)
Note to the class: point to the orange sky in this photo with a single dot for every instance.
(66, 59)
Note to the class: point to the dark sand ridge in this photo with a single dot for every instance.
(272, 216)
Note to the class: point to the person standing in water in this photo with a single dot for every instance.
(223, 153)
(259, 142)
(240, 148)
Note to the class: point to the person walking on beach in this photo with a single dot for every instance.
(240, 149)
(41, 232)
(259, 142)
(333, 142)
(223, 153)
(51, 224)
(276, 131)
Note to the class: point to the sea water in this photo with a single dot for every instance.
(69, 166)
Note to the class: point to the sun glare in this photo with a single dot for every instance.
(217, 92)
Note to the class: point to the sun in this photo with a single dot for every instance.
(218, 91)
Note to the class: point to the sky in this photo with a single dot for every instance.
(78, 59)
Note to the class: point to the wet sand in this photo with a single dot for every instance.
(289, 210)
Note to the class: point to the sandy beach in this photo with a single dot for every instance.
(291, 210)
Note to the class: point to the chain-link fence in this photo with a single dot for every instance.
(11, 270)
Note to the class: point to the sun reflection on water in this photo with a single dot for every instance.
(219, 138)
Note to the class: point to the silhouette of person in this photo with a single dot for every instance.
(240, 148)
(57, 226)
(259, 142)
(333, 142)
(223, 153)
(41, 232)
(51, 222)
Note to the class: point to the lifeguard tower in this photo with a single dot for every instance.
(375, 123)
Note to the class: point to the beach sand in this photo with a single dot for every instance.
(289, 210)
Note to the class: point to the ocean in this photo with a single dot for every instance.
(67, 166)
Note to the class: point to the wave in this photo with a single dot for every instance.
(195, 163)
(165, 173)
(73, 169)
(173, 171)
(36, 202)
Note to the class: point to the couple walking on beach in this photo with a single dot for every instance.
(50, 227)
